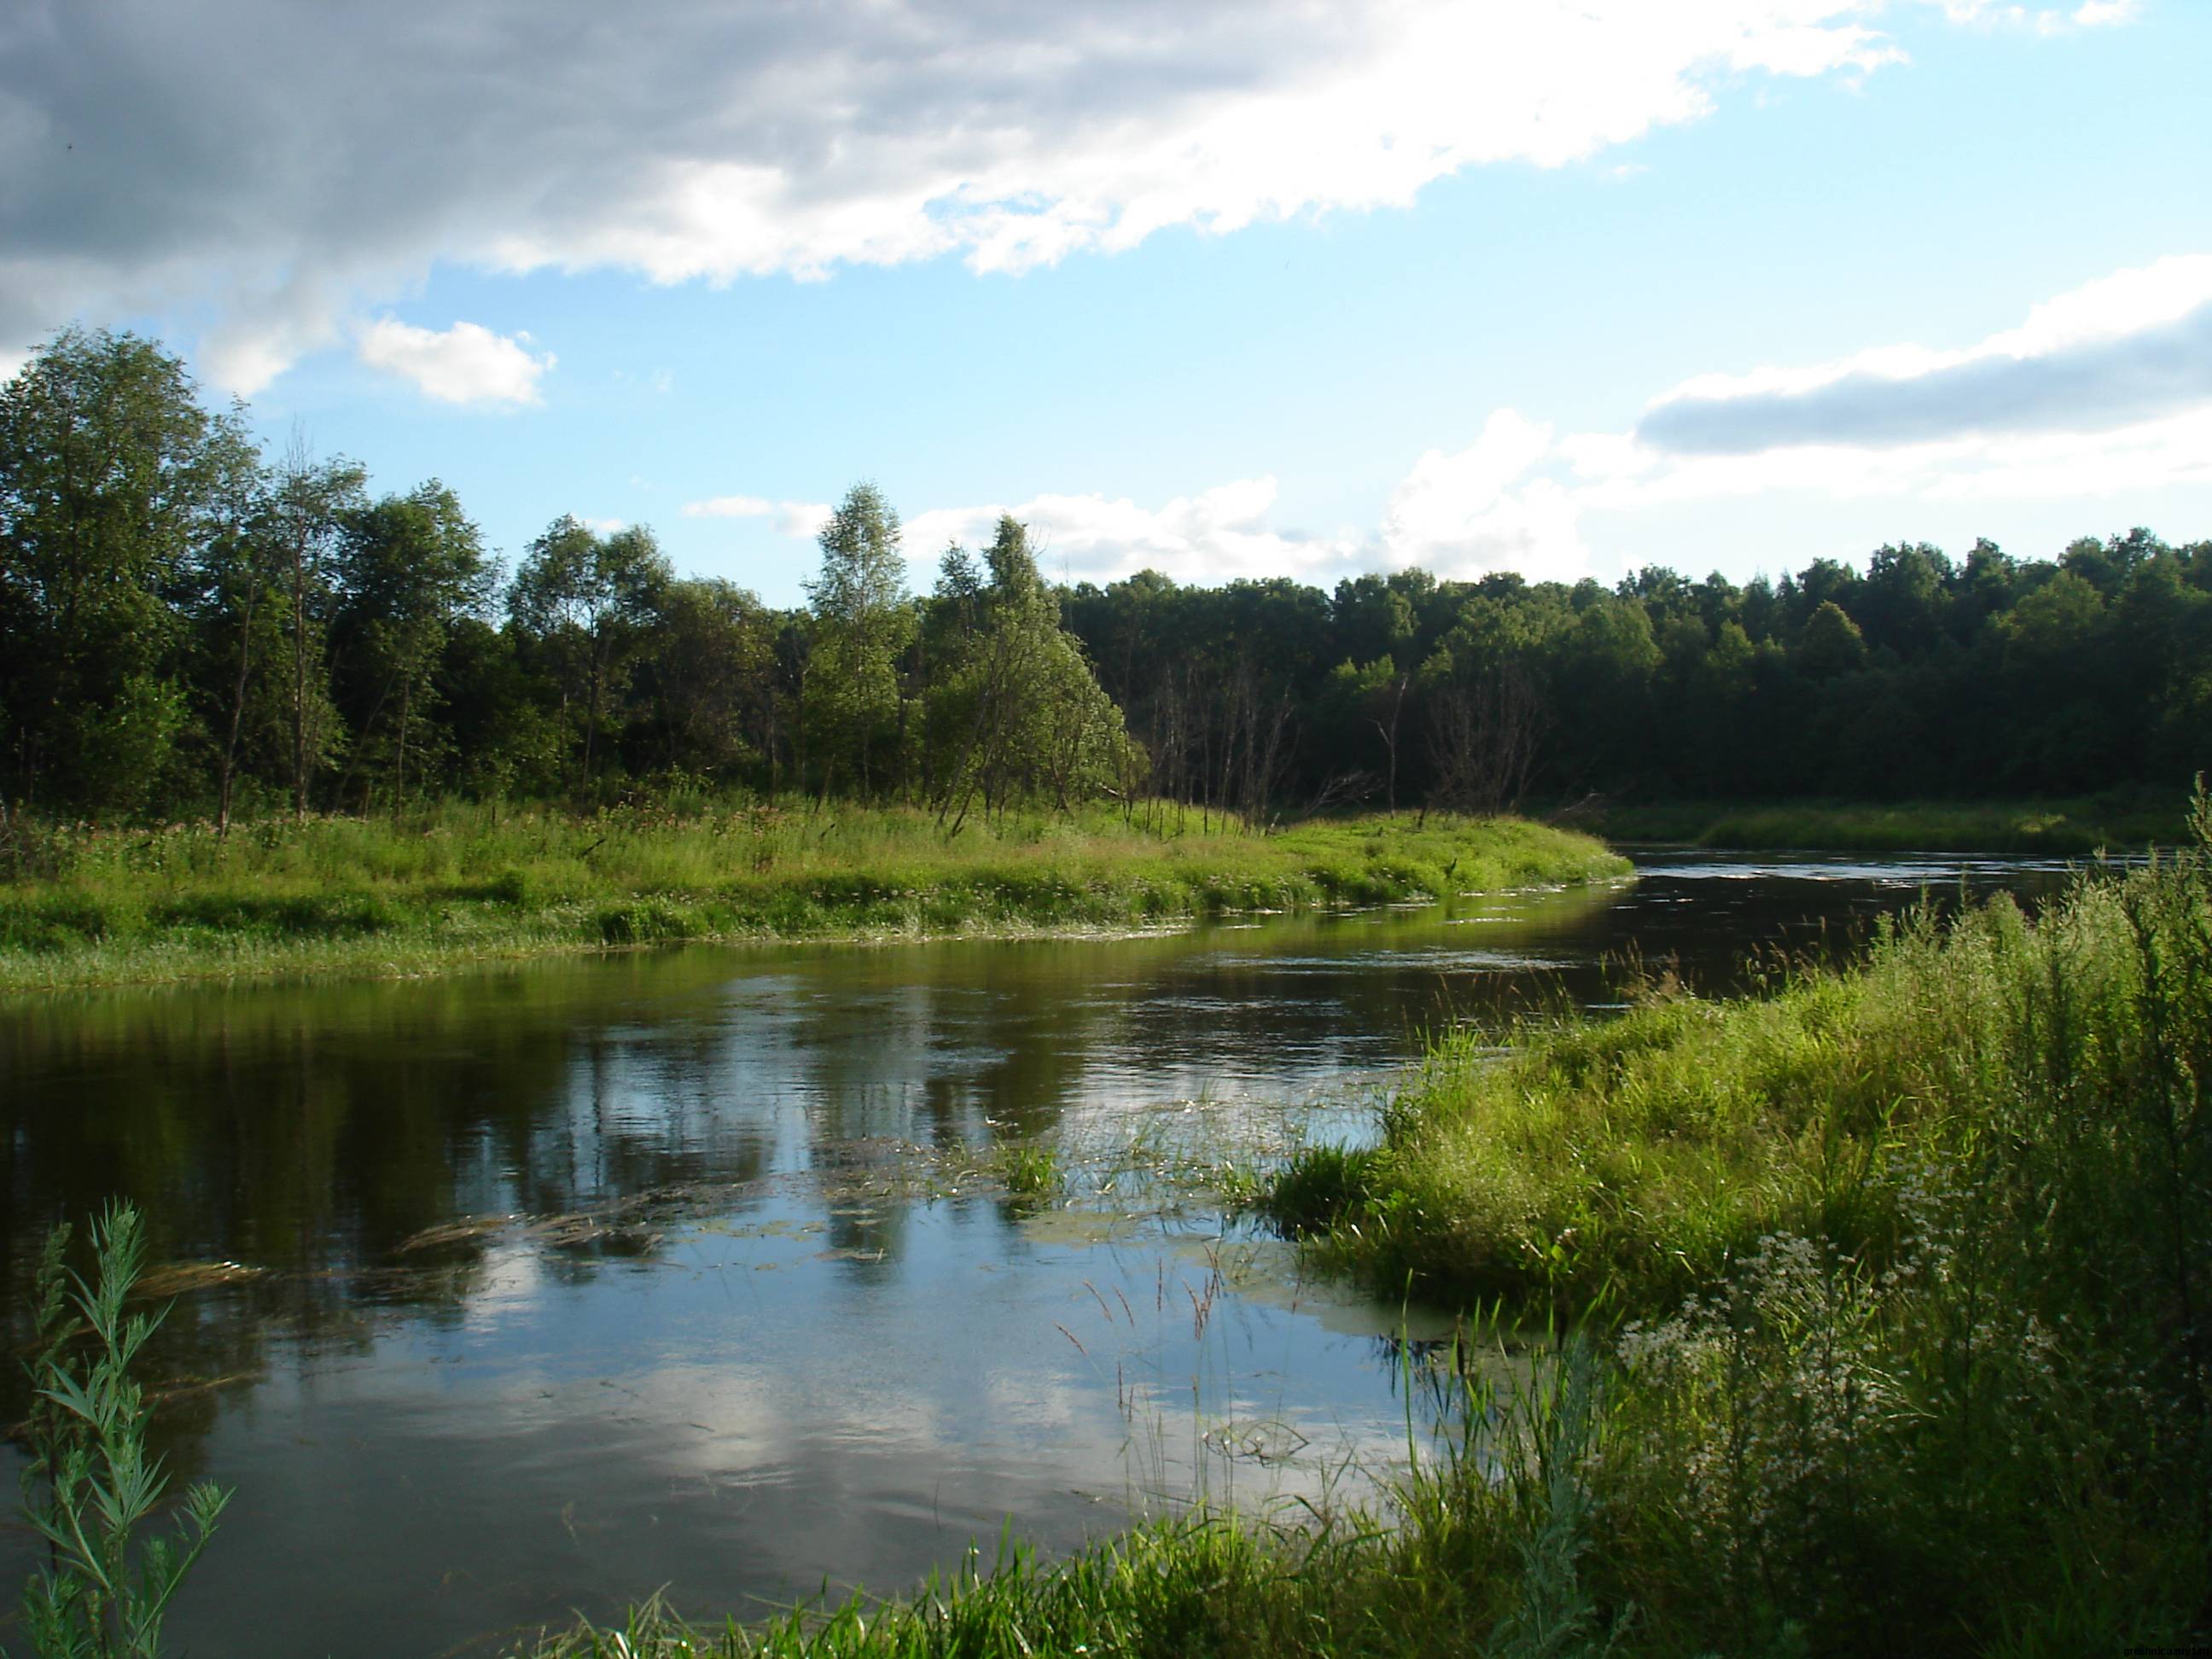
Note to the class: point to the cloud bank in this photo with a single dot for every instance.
(274, 169)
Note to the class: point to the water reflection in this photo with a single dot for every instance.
(748, 1326)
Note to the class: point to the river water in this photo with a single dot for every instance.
(559, 1283)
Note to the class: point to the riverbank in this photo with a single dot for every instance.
(464, 883)
(1890, 1297)
(1904, 1275)
(2058, 829)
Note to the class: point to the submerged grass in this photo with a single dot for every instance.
(459, 881)
(2116, 822)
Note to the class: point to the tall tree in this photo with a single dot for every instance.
(113, 481)
(709, 677)
(239, 603)
(585, 602)
(863, 620)
(410, 567)
(1015, 711)
(308, 503)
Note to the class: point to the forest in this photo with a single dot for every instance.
(192, 627)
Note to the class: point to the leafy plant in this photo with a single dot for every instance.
(89, 1484)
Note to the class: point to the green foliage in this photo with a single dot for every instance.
(582, 603)
(1907, 1271)
(89, 1485)
(113, 480)
(410, 566)
(863, 622)
(1013, 712)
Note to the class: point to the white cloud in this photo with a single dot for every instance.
(1478, 510)
(802, 520)
(729, 507)
(466, 364)
(1216, 536)
(603, 526)
(2041, 20)
(279, 166)
(2104, 390)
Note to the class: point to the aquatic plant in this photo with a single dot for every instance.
(90, 1484)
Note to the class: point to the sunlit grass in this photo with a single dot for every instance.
(1906, 1274)
(459, 881)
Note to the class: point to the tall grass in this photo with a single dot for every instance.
(1908, 1271)
(455, 881)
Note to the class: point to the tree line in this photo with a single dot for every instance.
(1920, 677)
(191, 626)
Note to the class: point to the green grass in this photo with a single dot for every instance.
(2120, 822)
(1905, 1275)
(463, 882)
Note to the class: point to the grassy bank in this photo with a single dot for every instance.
(2059, 828)
(462, 882)
(1892, 1302)
(1906, 1275)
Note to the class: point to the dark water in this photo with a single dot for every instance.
(583, 1277)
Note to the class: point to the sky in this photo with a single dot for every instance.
(1564, 286)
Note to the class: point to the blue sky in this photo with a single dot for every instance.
(1229, 290)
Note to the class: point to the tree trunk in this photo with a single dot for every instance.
(299, 675)
(400, 774)
(237, 717)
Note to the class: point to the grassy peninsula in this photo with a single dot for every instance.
(461, 882)
(1873, 1316)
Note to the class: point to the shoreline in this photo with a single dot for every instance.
(2054, 828)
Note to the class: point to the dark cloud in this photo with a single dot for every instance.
(270, 166)
(148, 150)
(2101, 383)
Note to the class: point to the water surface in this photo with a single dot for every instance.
(574, 1279)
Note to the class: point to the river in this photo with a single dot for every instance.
(561, 1282)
